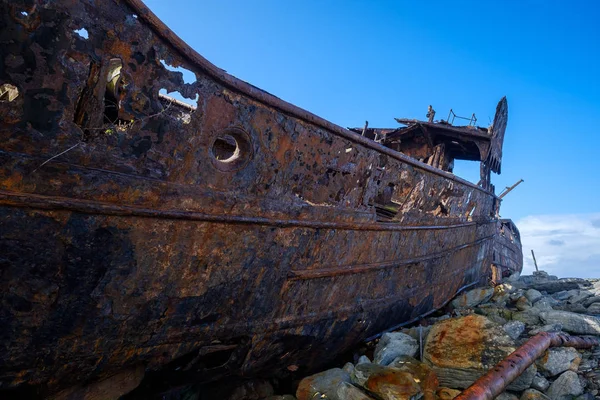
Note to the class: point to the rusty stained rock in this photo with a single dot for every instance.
(461, 350)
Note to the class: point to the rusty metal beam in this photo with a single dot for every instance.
(497, 379)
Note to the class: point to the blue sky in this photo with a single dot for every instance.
(351, 61)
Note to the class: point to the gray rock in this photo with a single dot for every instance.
(540, 383)
(516, 295)
(473, 297)
(324, 383)
(392, 345)
(363, 360)
(546, 328)
(582, 295)
(363, 371)
(554, 286)
(572, 322)
(528, 317)
(523, 303)
(533, 295)
(565, 387)
(572, 307)
(506, 396)
(348, 391)
(590, 300)
(532, 394)
(563, 295)
(538, 276)
(524, 381)
(558, 360)
(514, 329)
(546, 303)
(585, 396)
(348, 367)
(593, 309)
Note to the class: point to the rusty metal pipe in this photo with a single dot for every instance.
(498, 378)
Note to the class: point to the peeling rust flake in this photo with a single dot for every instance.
(160, 215)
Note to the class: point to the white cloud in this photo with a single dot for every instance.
(565, 245)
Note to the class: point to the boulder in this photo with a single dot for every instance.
(545, 328)
(540, 383)
(523, 303)
(392, 345)
(324, 383)
(532, 394)
(422, 373)
(533, 295)
(546, 303)
(393, 384)
(348, 391)
(593, 309)
(564, 294)
(582, 295)
(538, 276)
(528, 317)
(590, 300)
(349, 368)
(363, 360)
(572, 307)
(460, 350)
(565, 387)
(363, 371)
(554, 286)
(514, 329)
(473, 297)
(557, 360)
(572, 322)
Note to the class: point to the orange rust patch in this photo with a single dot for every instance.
(459, 340)
(393, 383)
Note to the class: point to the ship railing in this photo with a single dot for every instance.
(452, 116)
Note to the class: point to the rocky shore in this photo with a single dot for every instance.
(446, 353)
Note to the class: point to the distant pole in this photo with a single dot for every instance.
(534, 261)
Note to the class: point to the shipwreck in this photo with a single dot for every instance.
(237, 235)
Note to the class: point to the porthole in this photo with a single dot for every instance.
(231, 150)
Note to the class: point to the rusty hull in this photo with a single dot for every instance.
(128, 242)
(507, 251)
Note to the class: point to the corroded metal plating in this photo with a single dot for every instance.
(129, 239)
(497, 379)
